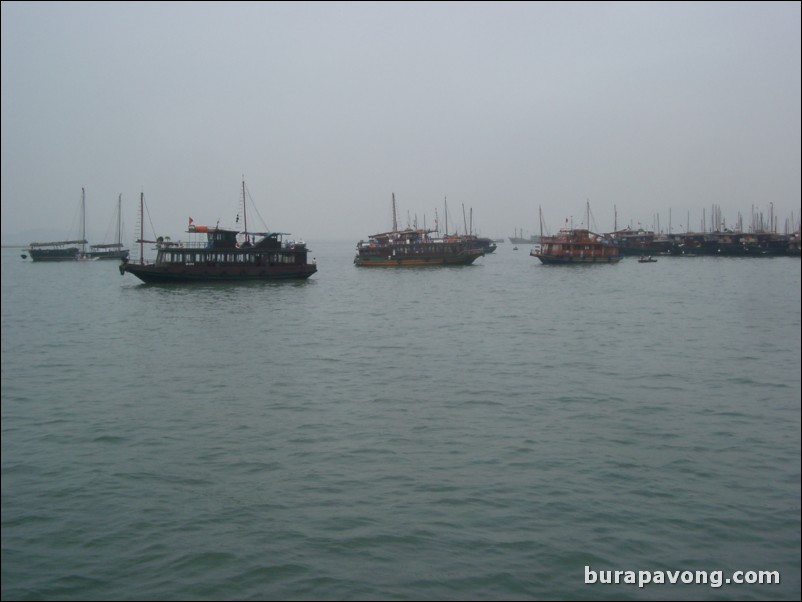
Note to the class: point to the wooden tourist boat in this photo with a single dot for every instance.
(415, 247)
(223, 254)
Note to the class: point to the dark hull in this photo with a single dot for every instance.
(118, 255)
(152, 274)
(711, 244)
(374, 260)
(68, 254)
(578, 260)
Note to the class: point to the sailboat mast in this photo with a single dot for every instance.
(83, 221)
(540, 212)
(588, 212)
(119, 238)
(245, 212)
(142, 228)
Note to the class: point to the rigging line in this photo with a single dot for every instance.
(147, 210)
(75, 226)
(255, 208)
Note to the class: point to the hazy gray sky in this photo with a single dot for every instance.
(329, 108)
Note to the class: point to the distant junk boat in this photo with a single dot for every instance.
(576, 246)
(114, 250)
(65, 250)
(61, 250)
(693, 244)
(220, 255)
(518, 238)
(415, 247)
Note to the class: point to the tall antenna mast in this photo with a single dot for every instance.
(395, 218)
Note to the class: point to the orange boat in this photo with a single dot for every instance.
(577, 246)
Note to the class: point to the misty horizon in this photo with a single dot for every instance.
(654, 114)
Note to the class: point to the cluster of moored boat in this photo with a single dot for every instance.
(724, 244)
(214, 253)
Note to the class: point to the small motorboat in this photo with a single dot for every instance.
(644, 259)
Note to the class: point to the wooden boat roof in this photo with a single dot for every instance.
(401, 233)
(199, 229)
(114, 245)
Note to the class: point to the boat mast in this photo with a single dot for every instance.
(83, 222)
(588, 212)
(244, 212)
(395, 216)
(142, 228)
(119, 239)
(540, 212)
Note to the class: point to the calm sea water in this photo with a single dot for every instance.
(481, 432)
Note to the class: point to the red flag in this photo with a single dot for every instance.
(190, 221)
